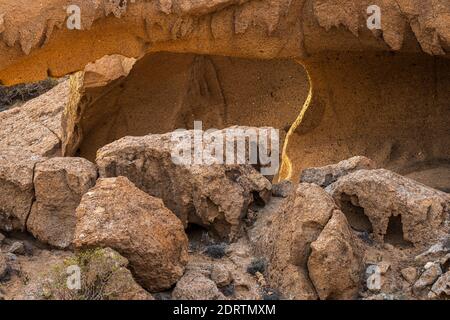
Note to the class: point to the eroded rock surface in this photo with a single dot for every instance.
(382, 196)
(324, 176)
(118, 215)
(16, 187)
(195, 286)
(335, 263)
(36, 125)
(216, 196)
(307, 241)
(264, 29)
(59, 184)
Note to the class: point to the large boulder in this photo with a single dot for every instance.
(307, 241)
(385, 196)
(324, 176)
(284, 234)
(59, 184)
(335, 263)
(36, 125)
(118, 215)
(16, 187)
(216, 196)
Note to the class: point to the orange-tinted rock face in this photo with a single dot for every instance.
(36, 40)
(365, 100)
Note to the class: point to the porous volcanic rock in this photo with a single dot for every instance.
(16, 187)
(283, 235)
(196, 286)
(324, 176)
(384, 195)
(249, 28)
(59, 184)
(118, 215)
(36, 125)
(335, 263)
(216, 196)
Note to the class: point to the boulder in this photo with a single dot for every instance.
(212, 195)
(118, 215)
(283, 236)
(335, 262)
(196, 286)
(385, 197)
(324, 176)
(59, 185)
(36, 126)
(16, 187)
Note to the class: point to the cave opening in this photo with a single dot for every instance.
(394, 233)
(320, 120)
(355, 214)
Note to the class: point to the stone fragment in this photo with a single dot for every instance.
(221, 275)
(441, 288)
(282, 189)
(432, 272)
(409, 274)
(17, 248)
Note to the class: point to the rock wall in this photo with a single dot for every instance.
(36, 42)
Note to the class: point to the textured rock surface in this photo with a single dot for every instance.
(59, 184)
(169, 87)
(195, 286)
(432, 272)
(441, 288)
(324, 176)
(310, 249)
(4, 268)
(284, 234)
(228, 273)
(335, 263)
(268, 28)
(116, 214)
(216, 196)
(36, 125)
(16, 187)
(383, 194)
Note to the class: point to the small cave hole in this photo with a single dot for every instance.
(198, 236)
(394, 233)
(258, 201)
(355, 214)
